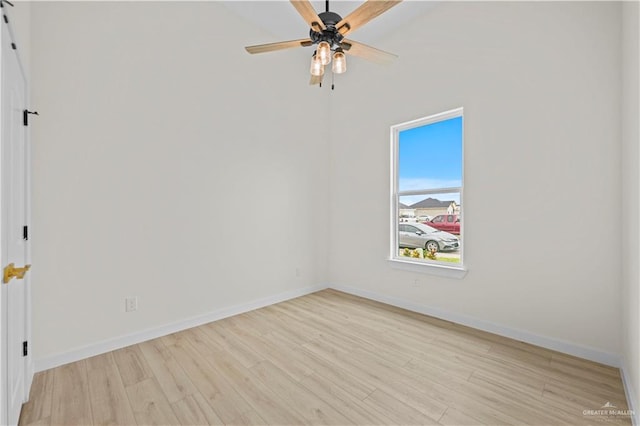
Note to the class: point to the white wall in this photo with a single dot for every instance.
(166, 163)
(631, 199)
(540, 84)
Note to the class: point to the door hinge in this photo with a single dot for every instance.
(25, 116)
(25, 348)
(25, 233)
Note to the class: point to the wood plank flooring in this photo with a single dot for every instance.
(329, 359)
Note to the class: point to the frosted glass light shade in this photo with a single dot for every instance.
(317, 69)
(339, 63)
(324, 52)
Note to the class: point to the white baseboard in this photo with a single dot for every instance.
(28, 378)
(142, 336)
(630, 393)
(585, 352)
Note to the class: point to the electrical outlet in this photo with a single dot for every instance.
(130, 304)
(298, 272)
(416, 282)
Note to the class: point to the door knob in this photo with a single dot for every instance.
(10, 271)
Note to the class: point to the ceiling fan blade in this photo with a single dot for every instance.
(315, 79)
(270, 47)
(308, 13)
(363, 14)
(367, 52)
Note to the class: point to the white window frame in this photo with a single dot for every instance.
(425, 266)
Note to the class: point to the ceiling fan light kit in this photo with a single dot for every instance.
(327, 31)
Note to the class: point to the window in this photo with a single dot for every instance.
(427, 184)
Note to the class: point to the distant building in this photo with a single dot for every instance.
(405, 212)
(433, 207)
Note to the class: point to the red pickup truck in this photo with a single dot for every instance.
(446, 222)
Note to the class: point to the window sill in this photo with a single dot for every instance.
(457, 272)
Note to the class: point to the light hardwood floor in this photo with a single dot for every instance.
(327, 358)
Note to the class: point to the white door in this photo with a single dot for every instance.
(14, 244)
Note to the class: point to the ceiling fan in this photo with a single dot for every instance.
(328, 30)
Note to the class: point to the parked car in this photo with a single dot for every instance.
(419, 235)
(446, 222)
(424, 218)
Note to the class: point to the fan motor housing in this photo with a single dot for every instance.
(330, 34)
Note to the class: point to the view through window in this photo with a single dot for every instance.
(427, 190)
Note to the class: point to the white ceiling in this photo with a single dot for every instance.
(281, 19)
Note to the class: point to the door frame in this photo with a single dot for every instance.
(28, 360)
